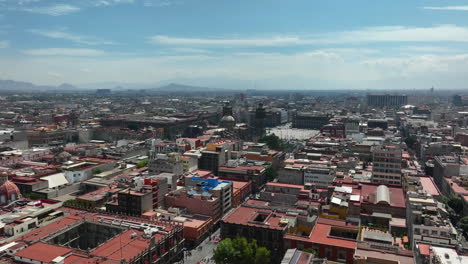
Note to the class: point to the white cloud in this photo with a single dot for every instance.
(53, 10)
(190, 50)
(428, 49)
(161, 3)
(60, 8)
(440, 33)
(63, 52)
(4, 44)
(80, 39)
(111, 2)
(312, 69)
(55, 75)
(274, 41)
(452, 8)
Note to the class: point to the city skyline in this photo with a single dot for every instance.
(265, 44)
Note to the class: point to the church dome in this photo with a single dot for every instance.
(228, 119)
(228, 122)
(9, 192)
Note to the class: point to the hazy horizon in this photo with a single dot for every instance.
(237, 44)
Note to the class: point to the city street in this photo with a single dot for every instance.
(204, 252)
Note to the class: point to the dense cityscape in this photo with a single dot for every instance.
(233, 132)
(250, 177)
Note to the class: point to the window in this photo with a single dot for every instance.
(434, 232)
(341, 255)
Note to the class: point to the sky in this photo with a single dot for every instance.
(243, 44)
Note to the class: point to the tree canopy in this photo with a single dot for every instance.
(240, 251)
(463, 225)
(271, 173)
(142, 164)
(273, 142)
(410, 141)
(455, 209)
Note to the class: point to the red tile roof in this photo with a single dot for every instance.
(246, 215)
(429, 185)
(76, 259)
(424, 249)
(456, 187)
(131, 246)
(321, 235)
(397, 197)
(43, 252)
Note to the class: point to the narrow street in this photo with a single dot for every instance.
(204, 252)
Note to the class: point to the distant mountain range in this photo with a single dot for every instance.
(197, 88)
(175, 87)
(15, 86)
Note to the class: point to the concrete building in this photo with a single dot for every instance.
(429, 254)
(195, 202)
(377, 123)
(292, 174)
(387, 165)
(196, 227)
(287, 194)
(170, 163)
(386, 100)
(253, 173)
(220, 188)
(296, 256)
(352, 125)
(189, 163)
(334, 130)
(428, 222)
(310, 120)
(156, 185)
(448, 166)
(382, 199)
(321, 176)
(213, 156)
(257, 220)
(103, 236)
(131, 202)
(331, 239)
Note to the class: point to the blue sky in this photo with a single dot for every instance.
(277, 44)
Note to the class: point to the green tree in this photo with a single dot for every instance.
(454, 208)
(262, 256)
(463, 225)
(272, 141)
(311, 250)
(142, 164)
(133, 126)
(410, 141)
(455, 203)
(240, 251)
(225, 252)
(97, 170)
(34, 196)
(271, 173)
(246, 249)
